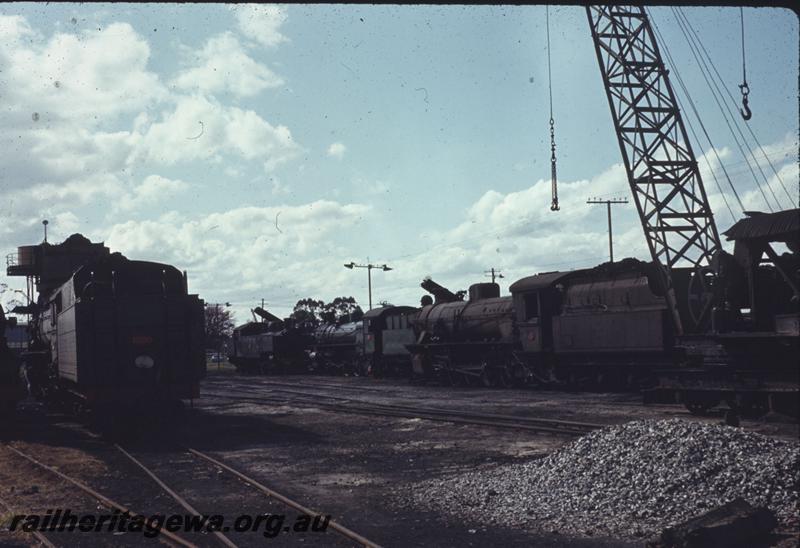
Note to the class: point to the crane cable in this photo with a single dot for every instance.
(716, 93)
(700, 120)
(730, 95)
(553, 179)
(745, 89)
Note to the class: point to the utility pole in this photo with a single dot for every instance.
(351, 265)
(494, 274)
(608, 207)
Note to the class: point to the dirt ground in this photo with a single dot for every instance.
(347, 465)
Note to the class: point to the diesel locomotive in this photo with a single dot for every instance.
(109, 335)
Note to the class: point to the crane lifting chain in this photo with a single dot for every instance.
(553, 179)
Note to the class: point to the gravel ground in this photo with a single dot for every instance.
(628, 481)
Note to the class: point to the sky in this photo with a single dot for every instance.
(261, 147)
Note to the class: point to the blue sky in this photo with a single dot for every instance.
(260, 147)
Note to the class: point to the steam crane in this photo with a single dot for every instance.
(661, 167)
(736, 317)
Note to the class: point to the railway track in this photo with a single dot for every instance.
(391, 390)
(165, 536)
(353, 406)
(170, 537)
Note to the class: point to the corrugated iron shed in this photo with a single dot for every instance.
(778, 226)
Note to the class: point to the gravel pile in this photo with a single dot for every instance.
(627, 481)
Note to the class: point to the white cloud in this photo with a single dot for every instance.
(90, 76)
(231, 252)
(223, 66)
(13, 28)
(153, 190)
(201, 128)
(261, 22)
(337, 150)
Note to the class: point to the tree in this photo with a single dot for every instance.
(341, 308)
(219, 324)
(307, 311)
(315, 311)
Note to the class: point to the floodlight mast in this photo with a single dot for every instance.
(351, 265)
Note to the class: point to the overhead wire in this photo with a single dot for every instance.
(733, 100)
(712, 85)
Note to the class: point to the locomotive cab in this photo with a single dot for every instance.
(536, 299)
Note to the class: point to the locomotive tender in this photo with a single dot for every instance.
(109, 334)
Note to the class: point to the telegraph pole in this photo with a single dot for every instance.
(494, 274)
(608, 207)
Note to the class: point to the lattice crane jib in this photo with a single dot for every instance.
(662, 170)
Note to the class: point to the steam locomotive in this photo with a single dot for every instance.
(10, 386)
(612, 326)
(109, 335)
(604, 326)
(270, 345)
(374, 345)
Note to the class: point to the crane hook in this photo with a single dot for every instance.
(745, 110)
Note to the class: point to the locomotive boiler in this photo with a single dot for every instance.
(338, 347)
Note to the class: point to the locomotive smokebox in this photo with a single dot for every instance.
(487, 290)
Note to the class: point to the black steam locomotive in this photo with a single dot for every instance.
(270, 346)
(10, 386)
(109, 335)
(605, 326)
(612, 327)
(374, 345)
